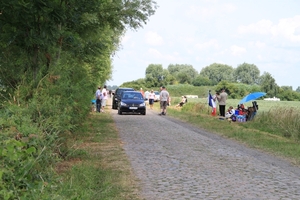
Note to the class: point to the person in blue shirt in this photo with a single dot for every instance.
(98, 95)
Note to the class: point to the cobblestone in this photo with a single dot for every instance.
(174, 160)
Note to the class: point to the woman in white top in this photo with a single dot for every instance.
(151, 97)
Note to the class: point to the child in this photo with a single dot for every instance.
(230, 112)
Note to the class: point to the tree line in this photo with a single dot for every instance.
(54, 54)
(239, 81)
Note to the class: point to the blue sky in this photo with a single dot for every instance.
(265, 33)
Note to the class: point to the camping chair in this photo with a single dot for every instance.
(252, 111)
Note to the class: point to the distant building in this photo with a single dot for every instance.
(272, 99)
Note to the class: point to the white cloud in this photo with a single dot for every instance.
(154, 53)
(209, 11)
(153, 38)
(257, 44)
(286, 28)
(262, 27)
(237, 51)
(212, 43)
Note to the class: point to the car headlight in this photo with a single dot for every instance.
(123, 104)
(143, 104)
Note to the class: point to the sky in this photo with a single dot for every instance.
(265, 33)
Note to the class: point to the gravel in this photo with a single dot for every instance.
(175, 160)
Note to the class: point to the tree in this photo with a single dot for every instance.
(268, 84)
(201, 80)
(156, 76)
(183, 73)
(247, 73)
(218, 72)
(33, 43)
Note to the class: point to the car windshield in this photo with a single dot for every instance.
(156, 93)
(129, 95)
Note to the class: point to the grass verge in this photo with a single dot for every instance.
(97, 167)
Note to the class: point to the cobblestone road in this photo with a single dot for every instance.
(174, 160)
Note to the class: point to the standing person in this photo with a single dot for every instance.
(98, 95)
(222, 102)
(216, 100)
(147, 95)
(104, 98)
(151, 97)
(164, 100)
(142, 91)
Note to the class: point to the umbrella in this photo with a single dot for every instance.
(252, 96)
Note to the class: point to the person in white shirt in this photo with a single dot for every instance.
(151, 97)
(229, 112)
(104, 98)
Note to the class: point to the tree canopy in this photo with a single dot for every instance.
(247, 73)
(218, 72)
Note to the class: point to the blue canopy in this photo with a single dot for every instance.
(252, 96)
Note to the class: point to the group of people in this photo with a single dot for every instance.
(165, 99)
(101, 98)
(232, 113)
(221, 98)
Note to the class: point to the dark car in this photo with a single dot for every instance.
(132, 102)
(117, 96)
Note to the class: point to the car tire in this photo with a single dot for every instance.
(143, 113)
(114, 106)
(119, 112)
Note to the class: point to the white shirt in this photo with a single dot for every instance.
(104, 93)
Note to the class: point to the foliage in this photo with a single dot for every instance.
(268, 84)
(53, 55)
(186, 89)
(183, 73)
(247, 73)
(156, 76)
(218, 72)
(201, 80)
(281, 121)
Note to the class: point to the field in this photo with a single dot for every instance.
(264, 106)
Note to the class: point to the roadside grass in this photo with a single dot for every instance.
(275, 129)
(97, 166)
